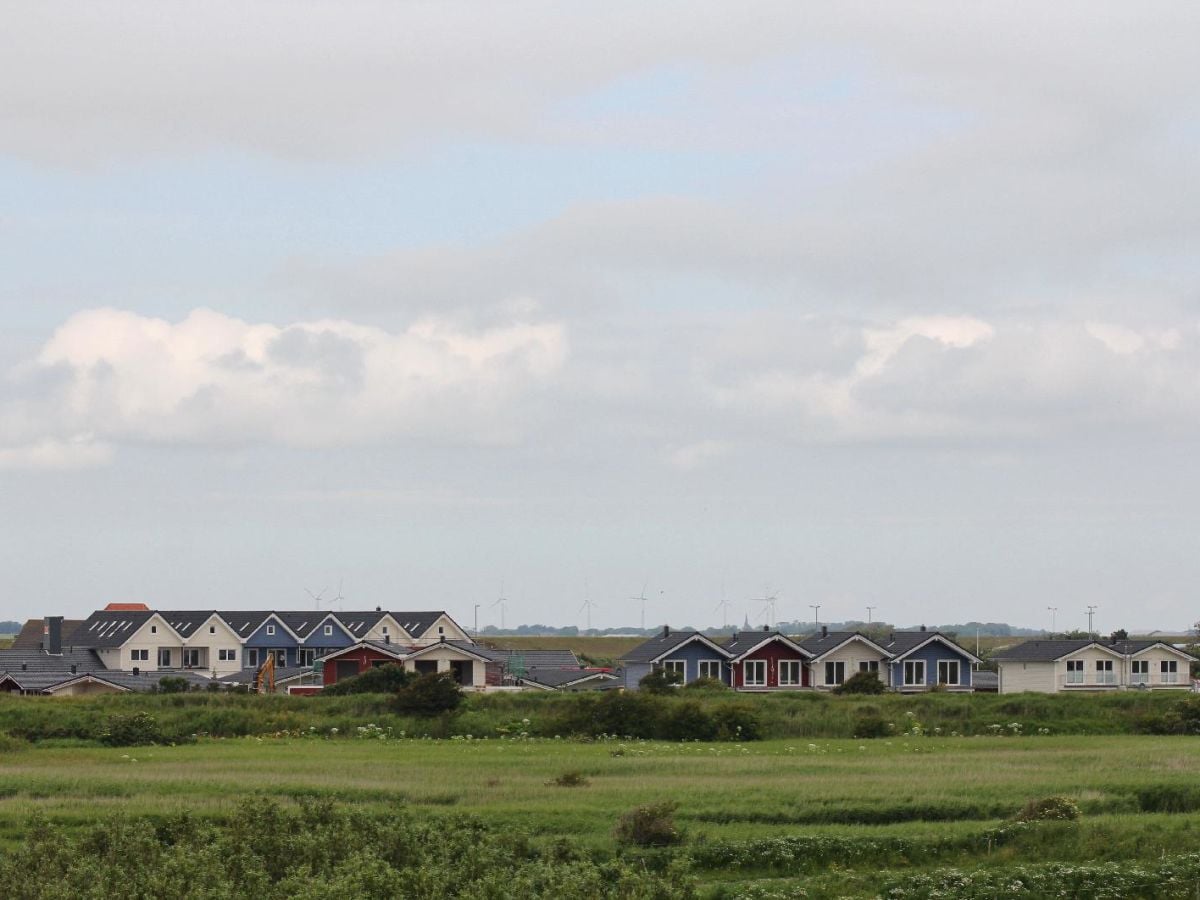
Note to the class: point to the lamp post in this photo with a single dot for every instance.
(870, 609)
(1091, 612)
(477, 621)
(1053, 616)
(816, 608)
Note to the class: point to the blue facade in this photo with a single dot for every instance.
(692, 654)
(322, 643)
(262, 641)
(936, 651)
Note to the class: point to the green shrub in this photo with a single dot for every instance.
(11, 743)
(429, 695)
(868, 724)
(1049, 808)
(861, 683)
(687, 720)
(1169, 798)
(130, 731)
(660, 681)
(385, 679)
(173, 684)
(707, 685)
(652, 825)
(738, 722)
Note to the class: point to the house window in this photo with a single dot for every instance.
(139, 655)
(789, 671)
(328, 630)
(227, 654)
(869, 665)
(947, 671)
(754, 673)
(914, 671)
(835, 672)
(191, 657)
(164, 659)
(252, 658)
(385, 631)
(1104, 672)
(710, 668)
(1140, 671)
(154, 629)
(270, 629)
(306, 657)
(441, 629)
(212, 629)
(280, 658)
(1169, 669)
(1074, 671)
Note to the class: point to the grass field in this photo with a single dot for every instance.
(884, 809)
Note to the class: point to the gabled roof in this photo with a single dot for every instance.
(902, 643)
(186, 622)
(1134, 648)
(417, 623)
(534, 659)
(106, 629)
(20, 661)
(242, 622)
(743, 643)
(302, 624)
(357, 624)
(32, 634)
(1049, 651)
(558, 678)
(480, 653)
(396, 651)
(823, 643)
(666, 642)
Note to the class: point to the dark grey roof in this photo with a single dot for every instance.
(383, 646)
(186, 622)
(983, 680)
(84, 660)
(358, 624)
(561, 677)
(1043, 651)
(741, 641)
(109, 628)
(655, 647)
(244, 623)
(534, 659)
(302, 623)
(417, 623)
(48, 676)
(249, 674)
(902, 642)
(818, 643)
(31, 634)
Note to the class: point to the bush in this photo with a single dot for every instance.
(1180, 718)
(861, 683)
(428, 695)
(738, 722)
(870, 724)
(173, 684)
(660, 681)
(381, 680)
(704, 685)
(130, 731)
(652, 825)
(1049, 808)
(1169, 798)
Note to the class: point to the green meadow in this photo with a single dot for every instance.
(772, 818)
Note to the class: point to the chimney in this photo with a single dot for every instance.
(24, 667)
(387, 638)
(73, 669)
(666, 631)
(766, 628)
(892, 638)
(54, 635)
(379, 609)
(824, 631)
(137, 670)
(922, 627)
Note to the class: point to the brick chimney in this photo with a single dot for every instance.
(54, 635)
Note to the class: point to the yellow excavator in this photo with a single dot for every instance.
(264, 681)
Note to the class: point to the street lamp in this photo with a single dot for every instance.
(816, 608)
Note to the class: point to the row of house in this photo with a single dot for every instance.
(770, 660)
(907, 661)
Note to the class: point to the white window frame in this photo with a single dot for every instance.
(306, 656)
(836, 667)
(212, 629)
(911, 668)
(759, 667)
(139, 656)
(957, 672)
(1075, 671)
(710, 668)
(161, 651)
(676, 665)
(252, 657)
(1168, 670)
(789, 666)
(192, 654)
(1104, 672)
(154, 629)
(227, 654)
(1139, 671)
(281, 659)
(869, 665)
(328, 630)
(270, 629)
(385, 629)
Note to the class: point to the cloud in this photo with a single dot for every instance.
(118, 377)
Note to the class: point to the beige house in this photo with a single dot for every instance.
(1082, 665)
(838, 655)
(470, 666)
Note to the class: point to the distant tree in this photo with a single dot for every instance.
(1119, 635)
(9, 627)
(172, 684)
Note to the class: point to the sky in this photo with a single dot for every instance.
(863, 304)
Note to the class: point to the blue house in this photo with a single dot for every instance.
(319, 633)
(271, 636)
(923, 659)
(687, 652)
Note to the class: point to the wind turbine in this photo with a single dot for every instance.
(642, 598)
(723, 606)
(768, 605)
(588, 603)
(502, 602)
(317, 598)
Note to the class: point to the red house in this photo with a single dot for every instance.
(359, 658)
(767, 661)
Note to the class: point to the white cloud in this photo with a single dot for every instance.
(120, 377)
